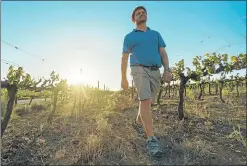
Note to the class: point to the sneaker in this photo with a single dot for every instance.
(139, 129)
(153, 147)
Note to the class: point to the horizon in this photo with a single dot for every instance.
(71, 33)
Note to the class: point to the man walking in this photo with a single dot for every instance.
(147, 53)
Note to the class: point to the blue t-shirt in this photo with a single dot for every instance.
(143, 47)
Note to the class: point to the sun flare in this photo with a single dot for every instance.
(75, 76)
(74, 80)
(78, 76)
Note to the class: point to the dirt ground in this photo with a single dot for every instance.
(213, 133)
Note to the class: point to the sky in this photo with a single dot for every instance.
(70, 36)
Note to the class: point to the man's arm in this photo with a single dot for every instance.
(164, 58)
(125, 57)
(163, 54)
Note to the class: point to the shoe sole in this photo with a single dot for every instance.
(161, 154)
(158, 155)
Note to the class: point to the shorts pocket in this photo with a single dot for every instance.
(135, 71)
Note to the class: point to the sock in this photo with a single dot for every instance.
(151, 137)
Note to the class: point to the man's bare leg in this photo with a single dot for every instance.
(147, 121)
(146, 116)
(138, 118)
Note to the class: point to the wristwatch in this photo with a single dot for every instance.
(167, 69)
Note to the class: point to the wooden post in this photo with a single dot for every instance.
(104, 87)
(98, 84)
(169, 90)
(80, 98)
(132, 86)
(185, 90)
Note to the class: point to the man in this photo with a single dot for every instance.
(147, 54)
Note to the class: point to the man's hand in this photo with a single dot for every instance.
(125, 84)
(167, 76)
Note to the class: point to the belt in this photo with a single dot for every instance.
(149, 67)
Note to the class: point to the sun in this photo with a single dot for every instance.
(74, 80)
(75, 76)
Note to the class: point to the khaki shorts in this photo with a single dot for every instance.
(147, 82)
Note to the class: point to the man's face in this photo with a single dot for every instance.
(140, 16)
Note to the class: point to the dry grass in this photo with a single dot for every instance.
(101, 134)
